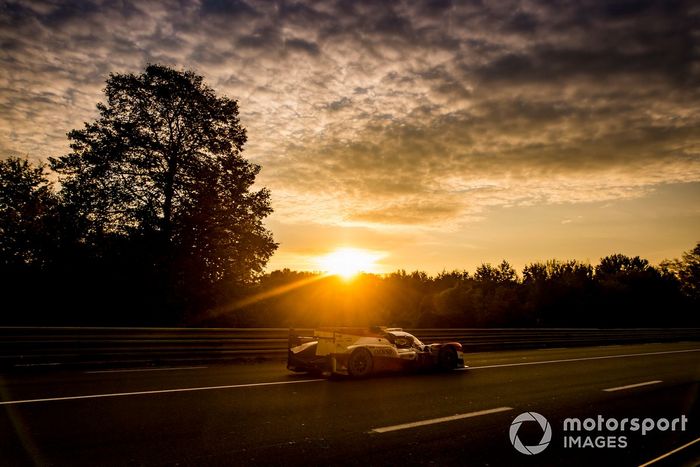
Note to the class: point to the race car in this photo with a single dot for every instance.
(359, 352)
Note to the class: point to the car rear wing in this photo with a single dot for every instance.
(294, 339)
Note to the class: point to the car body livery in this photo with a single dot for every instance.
(359, 352)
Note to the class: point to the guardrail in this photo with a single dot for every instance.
(37, 346)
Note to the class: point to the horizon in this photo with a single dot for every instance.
(470, 271)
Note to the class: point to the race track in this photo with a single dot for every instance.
(260, 414)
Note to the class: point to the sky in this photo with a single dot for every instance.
(431, 135)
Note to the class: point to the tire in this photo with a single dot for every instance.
(360, 363)
(447, 359)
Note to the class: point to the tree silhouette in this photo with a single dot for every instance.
(29, 239)
(558, 293)
(26, 202)
(501, 274)
(629, 289)
(687, 270)
(157, 184)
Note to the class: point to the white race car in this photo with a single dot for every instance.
(359, 352)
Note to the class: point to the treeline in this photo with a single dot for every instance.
(61, 264)
(619, 291)
(57, 268)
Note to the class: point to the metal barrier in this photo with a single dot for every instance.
(37, 346)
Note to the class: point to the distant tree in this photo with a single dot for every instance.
(447, 279)
(28, 241)
(558, 293)
(557, 270)
(620, 264)
(631, 290)
(159, 178)
(687, 270)
(26, 205)
(491, 298)
(536, 273)
(501, 274)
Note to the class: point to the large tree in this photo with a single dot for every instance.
(161, 172)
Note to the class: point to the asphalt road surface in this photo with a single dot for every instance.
(260, 414)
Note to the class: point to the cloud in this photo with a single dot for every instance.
(390, 114)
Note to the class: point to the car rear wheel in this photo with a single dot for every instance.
(448, 358)
(360, 363)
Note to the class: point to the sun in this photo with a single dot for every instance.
(348, 262)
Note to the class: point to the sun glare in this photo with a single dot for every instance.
(348, 262)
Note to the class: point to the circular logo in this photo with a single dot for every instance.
(546, 433)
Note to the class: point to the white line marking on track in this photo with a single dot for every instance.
(664, 456)
(134, 370)
(36, 364)
(160, 391)
(631, 386)
(432, 421)
(601, 357)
